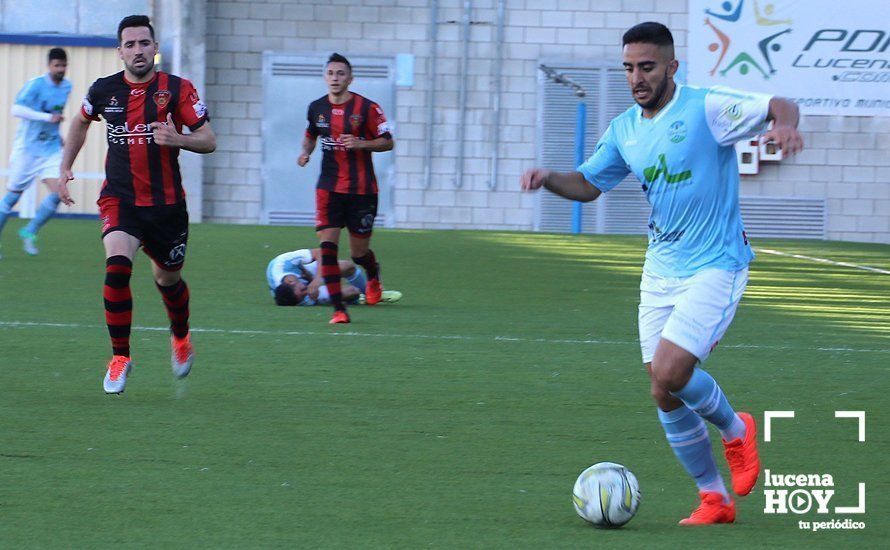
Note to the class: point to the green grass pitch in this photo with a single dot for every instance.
(456, 418)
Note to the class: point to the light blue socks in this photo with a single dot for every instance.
(6, 206)
(688, 437)
(44, 213)
(704, 396)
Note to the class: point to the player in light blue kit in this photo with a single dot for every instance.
(294, 280)
(678, 141)
(37, 149)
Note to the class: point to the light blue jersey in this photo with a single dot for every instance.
(298, 263)
(685, 159)
(36, 137)
(303, 266)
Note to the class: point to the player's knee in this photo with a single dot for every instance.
(659, 394)
(167, 278)
(667, 377)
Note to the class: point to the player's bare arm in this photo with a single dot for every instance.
(202, 140)
(77, 134)
(785, 116)
(570, 185)
(378, 145)
(308, 147)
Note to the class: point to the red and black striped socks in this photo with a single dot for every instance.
(369, 263)
(118, 303)
(176, 300)
(330, 273)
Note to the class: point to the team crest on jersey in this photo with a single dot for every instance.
(161, 98)
(677, 131)
(356, 121)
(113, 106)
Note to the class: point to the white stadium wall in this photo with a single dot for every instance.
(846, 167)
(847, 162)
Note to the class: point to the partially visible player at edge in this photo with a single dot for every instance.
(37, 149)
(678, 140)
(142, 202)
(351, 128)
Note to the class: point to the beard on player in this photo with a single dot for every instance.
(141, 65)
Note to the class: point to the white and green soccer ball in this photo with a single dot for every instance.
(606, 495)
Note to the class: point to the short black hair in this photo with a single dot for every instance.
(337, 58)
(134, 21)
(56, 53)
(649, 32)
(284, 295)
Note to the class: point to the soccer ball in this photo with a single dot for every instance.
(606, 495)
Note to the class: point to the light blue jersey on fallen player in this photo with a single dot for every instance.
(36, 137)
(685, 160)
(300, 264)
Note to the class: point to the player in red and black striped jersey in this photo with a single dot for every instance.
(350, 128)
(142, 202)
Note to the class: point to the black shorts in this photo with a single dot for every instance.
(355, 212)
(163, 231)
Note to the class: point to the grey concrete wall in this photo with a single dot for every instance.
(91, 17)
(847, 161)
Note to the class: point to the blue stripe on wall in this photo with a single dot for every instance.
(68, 216)
(59, 40)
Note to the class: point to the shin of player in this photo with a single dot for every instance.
(350, 128)
(142, 202)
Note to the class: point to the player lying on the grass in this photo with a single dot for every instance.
(678, 141)
(295, 280)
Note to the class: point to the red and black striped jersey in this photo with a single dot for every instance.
(137, 170)
(342, 170)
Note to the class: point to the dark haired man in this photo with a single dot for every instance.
(142, 202)
(351, 127)
(678, 140)
(37, 149)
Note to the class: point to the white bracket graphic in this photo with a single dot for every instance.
(767, 421)
(860, 415)
(853, 509)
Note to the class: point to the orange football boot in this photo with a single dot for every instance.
(373, 292)
(712, 510)
(183, 355)
(339, 317)
(741, 454)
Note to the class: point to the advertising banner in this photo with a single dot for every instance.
(831, 57)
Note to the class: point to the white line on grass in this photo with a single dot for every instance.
(824, 261)
(26, 324)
